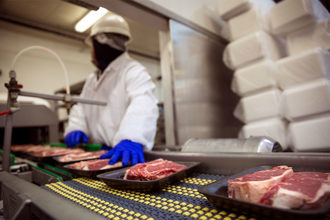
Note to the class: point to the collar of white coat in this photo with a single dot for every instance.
(116, 63)
(113, 67)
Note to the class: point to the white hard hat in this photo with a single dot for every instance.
(111, 24)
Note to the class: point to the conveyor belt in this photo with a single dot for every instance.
(176, 201)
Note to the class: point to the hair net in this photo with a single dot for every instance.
(116, 41)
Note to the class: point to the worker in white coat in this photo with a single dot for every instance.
(128, 121)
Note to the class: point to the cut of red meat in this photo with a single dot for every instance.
(44, 150)
(16, 148)
(153, 170)
(38, 148)
(303, 190)
(99, 164)
(252, 187)
(56, 151)
(81, 156)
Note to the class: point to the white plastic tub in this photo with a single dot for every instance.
(311, 135)
(255, 78)
(291, 15)
(304, 67)
(309, 37)
(251, 49)
(307, 99)
(246, 23)
(259, 106)
(276, 128)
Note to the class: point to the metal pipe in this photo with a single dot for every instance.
(61, 98)
(38, 95)
(87, 101)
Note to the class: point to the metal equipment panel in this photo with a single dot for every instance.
(203, 100)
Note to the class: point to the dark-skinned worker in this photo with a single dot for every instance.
(128, 121)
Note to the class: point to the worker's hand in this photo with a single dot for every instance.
(127, 151)
(75, 137)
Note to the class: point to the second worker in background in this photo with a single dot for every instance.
(128, 121)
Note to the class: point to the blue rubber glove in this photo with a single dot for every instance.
(128, 151)
(74, 138)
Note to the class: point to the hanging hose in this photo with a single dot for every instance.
(51, 52)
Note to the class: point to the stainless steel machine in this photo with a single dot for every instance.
(32, 124)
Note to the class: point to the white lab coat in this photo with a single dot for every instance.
(131, 112)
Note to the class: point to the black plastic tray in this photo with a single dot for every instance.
(115, 179)
(216, 193)
(86, 173)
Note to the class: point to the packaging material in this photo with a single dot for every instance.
(307, 99)
(251, 144)
(311, 36)
(275, 128)
(230, 8)
(255, 78)
(304, 67)
(248, 22)
(291, 15)
(251, 49)
(259, 106)
(311, 134)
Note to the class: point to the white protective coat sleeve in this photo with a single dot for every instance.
(138, 123)
(77, 120)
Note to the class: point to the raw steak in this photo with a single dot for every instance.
(252, 187)
(55, 151)
(303, 190)
(99, 164)
(44, 150)
(153, 170)
(16, 148)
(81, 156)
(29, 148)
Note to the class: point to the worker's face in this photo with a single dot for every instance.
(103, 54)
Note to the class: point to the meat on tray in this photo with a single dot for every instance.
(281, 187)
(303, 190)
(16, 148)
(29, 148)
(56, 151)
(81, 156)
(44, 150)
(153, 170)
(252, 187)
(99, 164)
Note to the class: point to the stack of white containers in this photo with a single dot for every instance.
(266, 78)
(304, 74)
(252, 54)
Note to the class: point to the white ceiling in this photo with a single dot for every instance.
(59, 16)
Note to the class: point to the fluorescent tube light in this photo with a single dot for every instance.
(89, 19)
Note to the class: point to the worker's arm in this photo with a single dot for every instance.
(76, 131)
(140, 120)
(138, 127)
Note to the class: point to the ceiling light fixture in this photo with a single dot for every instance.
(89, 19)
